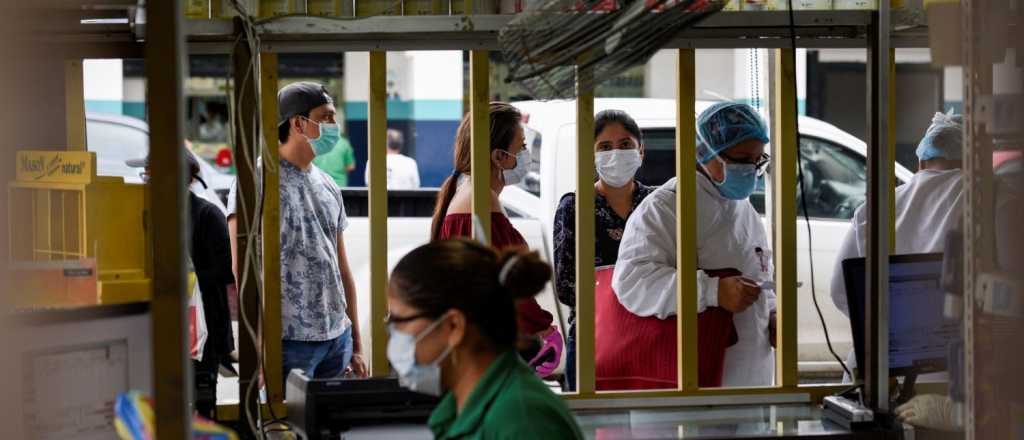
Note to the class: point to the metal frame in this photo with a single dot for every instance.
(74, 104)
(978, 239)
(377, 133)
(876, 375)
(784, 221)
(751, 29)
(246, 92)
(271, 221)
(172, 382)
(686, 226)
(478, 33)
(585, 225)
(479, 91)
(334, 34)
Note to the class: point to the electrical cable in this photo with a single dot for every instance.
(803, 205)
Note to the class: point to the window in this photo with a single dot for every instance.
(835, 179)
(660, 156)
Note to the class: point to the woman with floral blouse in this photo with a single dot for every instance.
(619, 152)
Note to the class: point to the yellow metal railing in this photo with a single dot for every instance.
(271, 221)
(378, 126)
(479, 111)
(784, 145)
(686, 225)
(585, 326)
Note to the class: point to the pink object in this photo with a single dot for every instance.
(550, 354)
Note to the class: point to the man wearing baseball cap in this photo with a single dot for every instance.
(318, 298)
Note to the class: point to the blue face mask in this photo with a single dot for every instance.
(740, 180)
(330, 134)
(425, 379)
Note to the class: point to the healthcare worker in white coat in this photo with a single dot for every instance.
(927, 206)
(730, 235)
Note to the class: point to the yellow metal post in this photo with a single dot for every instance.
(74, 99)
(585, 327)
(686, 220)
(377, 132)
(784, 145)
(271, 222)
(480, 170)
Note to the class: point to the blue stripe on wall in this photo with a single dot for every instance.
(104, 106)
(419, 110)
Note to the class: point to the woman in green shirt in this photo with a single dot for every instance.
(452, 327)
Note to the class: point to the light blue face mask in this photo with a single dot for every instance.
(425, 379)
(330, 134)
(740, 180)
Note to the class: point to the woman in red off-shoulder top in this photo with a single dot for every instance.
(453, 215)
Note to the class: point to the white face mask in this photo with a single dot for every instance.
(425, 379)
(518, 173)
(616, 168)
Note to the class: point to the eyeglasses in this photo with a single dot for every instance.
(760, 164)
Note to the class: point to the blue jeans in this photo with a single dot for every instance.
(570, 360)
(318, 359)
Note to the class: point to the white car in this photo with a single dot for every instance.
(835, 174)
(116, 139)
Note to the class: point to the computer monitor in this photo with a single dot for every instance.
(919, 333)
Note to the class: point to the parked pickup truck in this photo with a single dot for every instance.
(835, 173)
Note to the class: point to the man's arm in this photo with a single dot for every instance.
(351, 308)
(233, 237)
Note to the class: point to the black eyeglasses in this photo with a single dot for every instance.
(759, 164)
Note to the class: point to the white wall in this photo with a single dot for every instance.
(103, 80)
(420, 75)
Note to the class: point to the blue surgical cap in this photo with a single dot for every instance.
(944, 138)
(726, 124)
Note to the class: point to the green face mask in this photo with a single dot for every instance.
(330, 133)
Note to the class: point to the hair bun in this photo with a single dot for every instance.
(522, 272)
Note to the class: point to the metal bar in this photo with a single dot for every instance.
(686, 224)
(978, 202)
(585, 327)
(246, 150)
(480, 170)
(877, 308)
(638, 402)
(74, 105)
(784, 223)
(891, 163)
(700, 392)
(270, 233)
(378, 211)
(172, 378)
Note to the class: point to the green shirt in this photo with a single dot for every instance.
(509, 402)
(338, 162)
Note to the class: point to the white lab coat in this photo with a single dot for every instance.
(728, 234)
(927, 206)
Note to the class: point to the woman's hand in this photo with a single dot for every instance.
(736, 294)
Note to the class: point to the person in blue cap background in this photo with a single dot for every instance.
(731, 139)
(927, 206)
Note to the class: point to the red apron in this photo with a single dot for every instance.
(634, 352)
